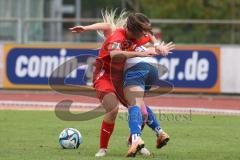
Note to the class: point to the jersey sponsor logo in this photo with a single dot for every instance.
(123, 45)
(126, 44)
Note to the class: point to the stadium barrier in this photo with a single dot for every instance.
(51, 30)
(191, 68)
(10, 30)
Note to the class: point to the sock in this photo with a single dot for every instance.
(105, 134)
(135, 138)
(152, 121)
(135, 122)
(158, 130)
(130, 137)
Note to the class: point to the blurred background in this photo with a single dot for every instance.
(188, 22)
(201, 113)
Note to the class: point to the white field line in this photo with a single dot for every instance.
(77, 106)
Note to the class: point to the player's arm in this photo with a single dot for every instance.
(150, 52)
(105, 27)
(131, 54)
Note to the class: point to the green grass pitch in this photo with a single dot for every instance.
(28, 135)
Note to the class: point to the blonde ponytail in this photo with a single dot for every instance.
(109, 16)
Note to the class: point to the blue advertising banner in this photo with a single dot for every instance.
(191, 68)
(29, 67)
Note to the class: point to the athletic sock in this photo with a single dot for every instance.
(158, 130)
(152, 121)
(135, 137)
(105, 134)
(130, 137)
(135, 122)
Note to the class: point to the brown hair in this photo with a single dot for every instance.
(138, 23)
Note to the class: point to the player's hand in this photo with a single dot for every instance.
(78, 29)
(163, 49)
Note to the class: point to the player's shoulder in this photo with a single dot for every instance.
(118, 34)
(120, 31)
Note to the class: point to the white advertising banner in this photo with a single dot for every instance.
(230, 69)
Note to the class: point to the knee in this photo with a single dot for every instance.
(134, 95)
(131, 102)
(112, 115)
(114, 112)
(136, 102)
(110, 103)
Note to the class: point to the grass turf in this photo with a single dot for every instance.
(34, 135)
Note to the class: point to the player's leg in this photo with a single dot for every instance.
(134, 90)
(134, 96)
(144, 151)
(110, 104)
(152, 122)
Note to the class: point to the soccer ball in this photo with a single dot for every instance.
(70, 138)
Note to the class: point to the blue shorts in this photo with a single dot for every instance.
(142, 74)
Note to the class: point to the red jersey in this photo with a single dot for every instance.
(108, 75)
(118, 41)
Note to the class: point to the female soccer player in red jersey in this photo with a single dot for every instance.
(119, 41)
